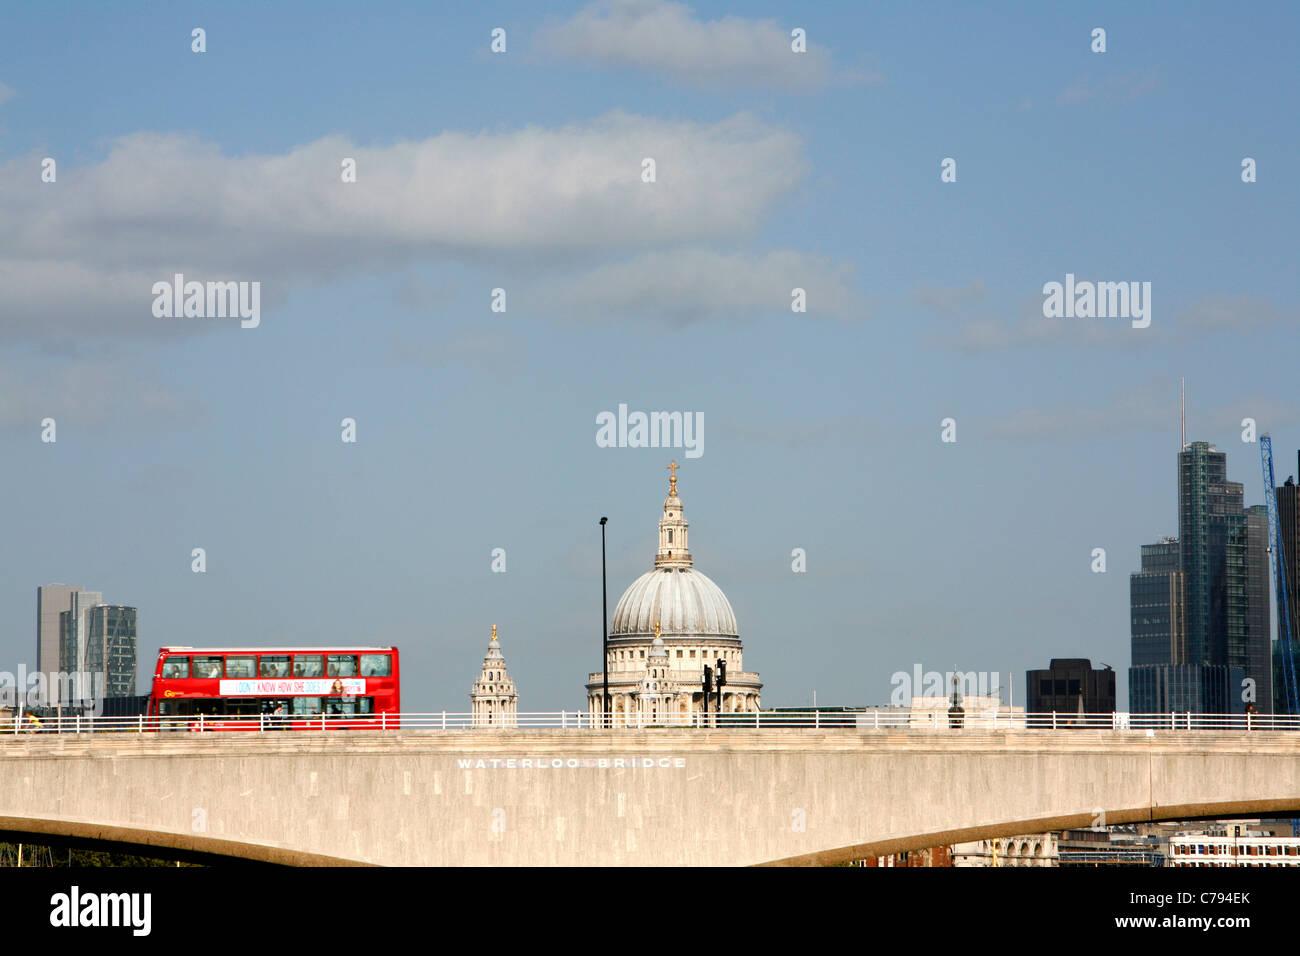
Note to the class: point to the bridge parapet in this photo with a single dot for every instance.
(893, 718)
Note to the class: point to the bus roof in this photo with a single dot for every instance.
(273, 650)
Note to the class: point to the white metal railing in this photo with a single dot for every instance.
(899, 719)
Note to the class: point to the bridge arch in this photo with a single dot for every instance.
(139, 841)
(1226, 810)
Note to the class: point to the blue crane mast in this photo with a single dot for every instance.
(1279, 576)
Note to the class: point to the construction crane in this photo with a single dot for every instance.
(1279, 576)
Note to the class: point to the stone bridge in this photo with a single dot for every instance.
(658, 797)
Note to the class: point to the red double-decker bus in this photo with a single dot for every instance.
(275, 688)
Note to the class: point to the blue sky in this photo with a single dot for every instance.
(476, 429)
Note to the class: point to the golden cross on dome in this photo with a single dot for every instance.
(494, 632)
(672, 480)
(656, 630)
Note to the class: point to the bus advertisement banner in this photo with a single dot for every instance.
(323, 687)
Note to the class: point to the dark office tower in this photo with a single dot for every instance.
(1257, 657)
(1288, 520)
(1068, 686)
(1157, 606)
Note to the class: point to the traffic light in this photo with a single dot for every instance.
(722, 672)
(708, 679)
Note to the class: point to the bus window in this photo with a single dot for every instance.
(176, 667)
(365, 705)
(305, 706)
(249, 707)
(308, 665)
(207, 668)
(376, 665)
(342, 665)
(275, 665)
(241, 667)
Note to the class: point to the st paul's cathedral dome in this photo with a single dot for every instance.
(672, 609)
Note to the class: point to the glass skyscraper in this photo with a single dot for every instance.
(112, 644)
(1158, 606)
(99, 640)
(1202, 601)
(1194, 688)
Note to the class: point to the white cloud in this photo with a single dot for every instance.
(690, 285)
(6, 94)
(665, 36)
(82, 254)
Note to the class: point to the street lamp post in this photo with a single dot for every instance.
(604, 630)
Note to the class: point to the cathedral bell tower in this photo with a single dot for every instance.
(494, 701)
(673, 550)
